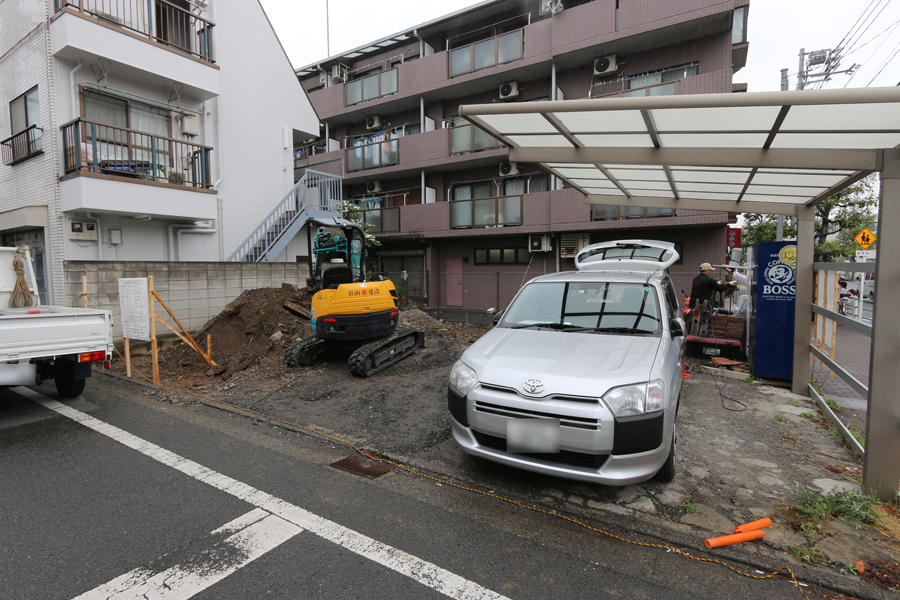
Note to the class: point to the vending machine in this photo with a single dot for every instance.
(774, 288)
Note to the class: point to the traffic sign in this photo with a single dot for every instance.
(865, 238)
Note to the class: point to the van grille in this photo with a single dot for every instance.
(563, 457)
(519, 413)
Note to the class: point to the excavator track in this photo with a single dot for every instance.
(381, 354)
(304, 352)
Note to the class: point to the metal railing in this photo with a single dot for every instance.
(22, 146)
(827, 308)
(486, 212)
(314, 191)
(94, 147)
(159, 20)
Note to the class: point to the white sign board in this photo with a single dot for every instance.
(135, 308)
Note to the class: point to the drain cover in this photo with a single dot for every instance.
(364, 468)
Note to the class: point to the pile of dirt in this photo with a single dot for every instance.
(249, 337)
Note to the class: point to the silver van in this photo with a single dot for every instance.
(581, 376)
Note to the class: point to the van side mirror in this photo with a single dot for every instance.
(497, 317)
(676, 328)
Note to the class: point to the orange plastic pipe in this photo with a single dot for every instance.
(734, 538)
(752, 525)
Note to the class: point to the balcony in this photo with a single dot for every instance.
(157, 20)
(466, 138)
(22, 146)
(503, 211)
(382, 220)
(372, 87)
(373, 152)
(497, 50)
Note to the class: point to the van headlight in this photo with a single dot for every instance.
(463, 377)
(636, 399)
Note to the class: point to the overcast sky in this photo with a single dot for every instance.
(777, 30)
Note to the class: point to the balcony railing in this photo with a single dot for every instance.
(608, 212)
(382, 220)
(98, 148)
(487, 53)
(372, 153)
(468, 138)
(22, 146)
(371, 87)
(503, 211)
(159, 20)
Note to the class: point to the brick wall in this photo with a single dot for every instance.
(194, 291)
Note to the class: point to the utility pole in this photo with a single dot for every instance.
(801, 72)
(784, 80)
(830, 61)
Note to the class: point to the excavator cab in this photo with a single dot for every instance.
(347, 311)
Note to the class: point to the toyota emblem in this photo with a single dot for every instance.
(533, 386)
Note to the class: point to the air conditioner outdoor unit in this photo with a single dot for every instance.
(539, 243)
(509, 168)
(509, 90)
(605, 65)
(341, 72)
(373, 122)
(373, 186)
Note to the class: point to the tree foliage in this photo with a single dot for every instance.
(839, 219)
(354, 213)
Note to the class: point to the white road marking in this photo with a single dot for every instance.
(415, 568)
(257, 533)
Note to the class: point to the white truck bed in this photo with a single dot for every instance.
(49, 331)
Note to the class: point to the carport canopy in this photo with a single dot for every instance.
(766, 152)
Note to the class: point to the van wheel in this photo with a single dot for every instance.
(667, 473)
(68, 386)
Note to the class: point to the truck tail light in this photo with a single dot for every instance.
(92, 356)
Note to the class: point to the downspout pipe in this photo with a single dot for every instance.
(421, 43)
(72, 89)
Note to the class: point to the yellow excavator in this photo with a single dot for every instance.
(347, 311)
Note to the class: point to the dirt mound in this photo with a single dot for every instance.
(250, 334)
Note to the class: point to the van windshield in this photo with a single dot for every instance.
(616, 307)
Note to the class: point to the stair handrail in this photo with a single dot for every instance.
(295, 199)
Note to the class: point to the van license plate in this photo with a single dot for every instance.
(532, 435)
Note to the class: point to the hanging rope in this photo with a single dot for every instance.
(21, 295)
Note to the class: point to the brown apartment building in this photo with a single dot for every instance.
(467, 226)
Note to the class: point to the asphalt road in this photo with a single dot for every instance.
(117, 494)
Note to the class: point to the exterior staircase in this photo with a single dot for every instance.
(315, 195)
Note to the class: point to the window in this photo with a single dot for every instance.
(739, 26)
(664, 82)
(471, 191)
(610, 212)
(502, 256)
(25, 119)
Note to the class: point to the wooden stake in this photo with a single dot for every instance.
(154, 348)
(127, 358)
(84, 291)
(209, 346)
(187, 338)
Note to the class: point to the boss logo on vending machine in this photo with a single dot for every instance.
(780, 275)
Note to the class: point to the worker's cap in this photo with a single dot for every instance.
(706, 267)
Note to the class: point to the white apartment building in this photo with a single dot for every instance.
(142, 130)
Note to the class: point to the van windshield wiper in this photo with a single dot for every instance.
(628, 330)
(547, 325)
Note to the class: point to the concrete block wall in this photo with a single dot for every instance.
(194, 291)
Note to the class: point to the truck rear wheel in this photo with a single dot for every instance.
(68, 386)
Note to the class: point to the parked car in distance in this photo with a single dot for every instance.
(581, 376)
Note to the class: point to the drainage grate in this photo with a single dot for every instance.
(364, 468)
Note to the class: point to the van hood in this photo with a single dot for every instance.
(567, 363)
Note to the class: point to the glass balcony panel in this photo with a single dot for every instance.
(644, 80)
(482, 140)
(391, 219)
(372, 156)
(485, 212)
(390, 152)
(461, 139)
(373, 218)
(604, 212)
(638, 92)
(632, 211)
(461, 214)
(510, 47)
(460, 61)
(389, 82)
(370, 87)
(355, 159)
(485, 54)
(510, 210)
(354, 92)
(667, 89)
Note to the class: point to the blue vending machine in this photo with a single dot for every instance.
(772, 328)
